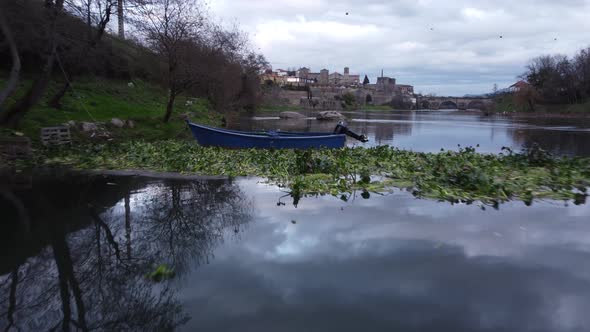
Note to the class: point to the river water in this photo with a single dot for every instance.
(430, 131)
(76, 250)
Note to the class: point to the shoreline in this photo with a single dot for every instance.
(545, 115)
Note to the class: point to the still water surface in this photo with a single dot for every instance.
(75, 251)
(430, 131)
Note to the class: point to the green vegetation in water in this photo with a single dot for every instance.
(161, 273)
(96, 99)
(455, 176)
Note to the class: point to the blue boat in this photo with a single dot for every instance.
(209, 136)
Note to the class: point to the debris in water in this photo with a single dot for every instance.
(161, 273)
(365, 194)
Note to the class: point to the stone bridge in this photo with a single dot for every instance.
(461, 103)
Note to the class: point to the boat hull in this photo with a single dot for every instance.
(208, 136)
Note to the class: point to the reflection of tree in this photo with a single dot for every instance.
(86, 269)
(185, 220)
(559, 142)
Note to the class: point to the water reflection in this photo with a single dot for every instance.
(76, 249)
(429, 131)
(398, 264)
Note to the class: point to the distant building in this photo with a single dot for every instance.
(282, 72)
(385, 85)
(324, 77)
(328, 86)
(404, 89)
(519, 86)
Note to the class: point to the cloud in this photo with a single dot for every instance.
(434, 45)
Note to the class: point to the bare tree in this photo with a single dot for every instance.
(121, 18)
(98, 15)
(172, 29)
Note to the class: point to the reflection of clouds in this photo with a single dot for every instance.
(398, 262)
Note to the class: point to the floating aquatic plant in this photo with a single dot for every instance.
(161, 273)
(455, 176)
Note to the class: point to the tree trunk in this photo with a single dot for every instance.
(55, 101)
(89, 20)
(13, 116)
(121, 19)
(170, 106)
(64, 290)
(128, 224)
(15, 71)
(12, 299)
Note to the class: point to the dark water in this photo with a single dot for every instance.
(75, 251)
(429, 131)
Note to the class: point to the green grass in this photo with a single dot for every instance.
(506, 104)
(95, 99)
(464, 176)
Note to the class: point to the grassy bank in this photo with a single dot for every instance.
(464, 176)
(581, 109)
(100, 100)
(506, 104)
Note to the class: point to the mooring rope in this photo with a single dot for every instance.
(71, 85)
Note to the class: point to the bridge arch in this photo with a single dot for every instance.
(476, 104)
(448, 104)
(424, 104)
(368, 99)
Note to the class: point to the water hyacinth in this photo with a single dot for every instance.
(455, 176)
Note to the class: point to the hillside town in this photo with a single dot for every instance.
(325, 88)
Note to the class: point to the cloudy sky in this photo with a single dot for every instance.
(450, 47)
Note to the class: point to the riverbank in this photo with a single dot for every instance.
(507, 105)
(464, 176)
(295, 108)
(97, 100)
